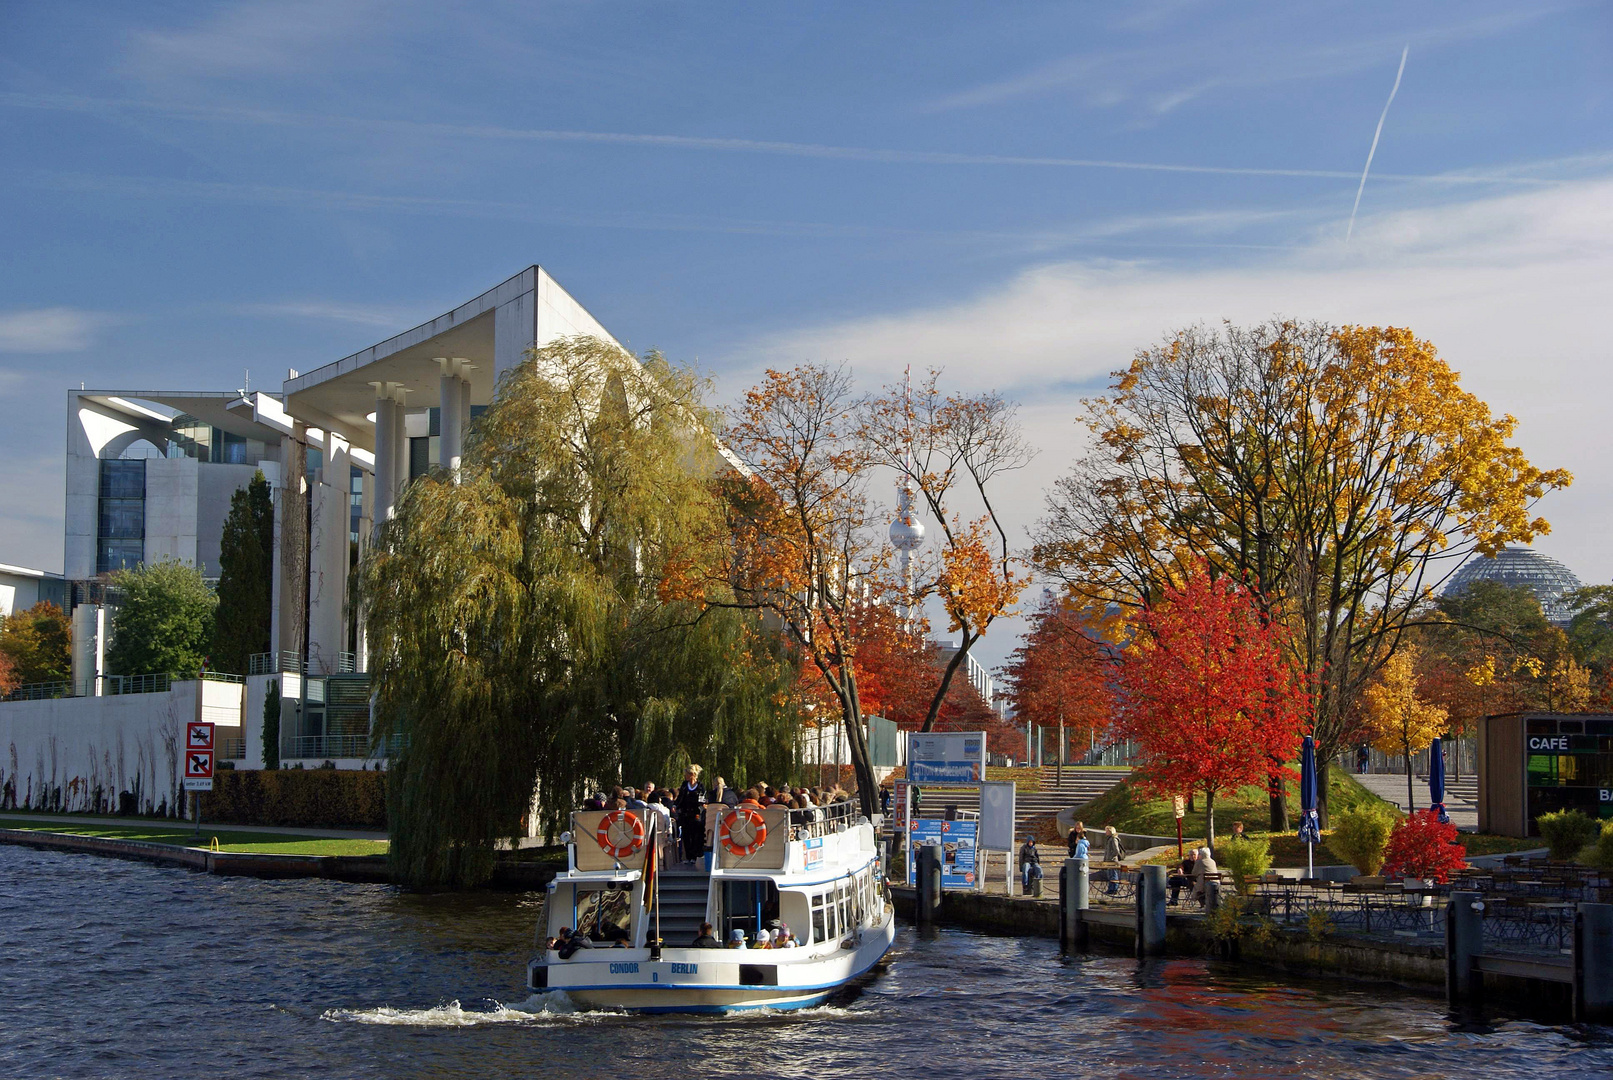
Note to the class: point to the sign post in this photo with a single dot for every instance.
(198, 763)
(1181, 809)
(946, 759)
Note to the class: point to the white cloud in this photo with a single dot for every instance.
(48, 330)
(1512, 290)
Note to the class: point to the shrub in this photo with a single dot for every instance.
(302, 798)
(1246, 859)
(1567, 831)
(1424, 847)
(1600, 854)
(1361, 836)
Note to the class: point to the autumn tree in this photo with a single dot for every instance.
(1397, 717)
(804, 539)
(1060, 676)
(1338, 472)
(952, 449)
(38, 644)
(8, 675)
(531, 634)
(1207, 693)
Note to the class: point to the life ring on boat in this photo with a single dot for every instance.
(742, 832)
(620, 833)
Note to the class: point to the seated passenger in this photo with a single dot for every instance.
(704, 940)
(736, 938)
(764, 940)
(570, 943)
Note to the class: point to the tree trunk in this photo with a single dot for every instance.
(1411, 803)
(1321, 791)
(1209, 819)
(1279, 802)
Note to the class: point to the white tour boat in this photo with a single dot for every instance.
(816, 872)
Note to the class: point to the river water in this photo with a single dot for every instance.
(120, 969)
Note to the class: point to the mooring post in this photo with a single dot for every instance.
(929, 882)
(1075, 909)
(1593, 963)
(1151, 912)
(1464, 940)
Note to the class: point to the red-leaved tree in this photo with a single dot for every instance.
(1207, 694)
(1060, 677)
(1422, 847)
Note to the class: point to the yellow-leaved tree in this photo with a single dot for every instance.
(1398, 719)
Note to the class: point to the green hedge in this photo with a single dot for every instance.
(305, 798)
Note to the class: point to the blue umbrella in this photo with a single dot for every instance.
(1436, 780)
(1309, 828)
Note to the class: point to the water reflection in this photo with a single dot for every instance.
(118, 968)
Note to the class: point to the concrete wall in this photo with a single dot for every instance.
(171, 491)
(119, 743)
(214, 486)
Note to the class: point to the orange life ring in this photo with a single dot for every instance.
(747, 823)
(620, 833)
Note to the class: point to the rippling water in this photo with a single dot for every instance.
(111, 968)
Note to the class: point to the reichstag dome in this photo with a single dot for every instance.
(1541, 574)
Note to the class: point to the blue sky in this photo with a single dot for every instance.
(1021, 193)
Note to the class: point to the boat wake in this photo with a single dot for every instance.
(538, 1009)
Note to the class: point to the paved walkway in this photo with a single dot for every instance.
(1461, 796)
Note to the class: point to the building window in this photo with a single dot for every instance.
(355, 502)
(121, 529)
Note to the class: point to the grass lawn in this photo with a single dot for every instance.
(228, 840)
(1127, 810)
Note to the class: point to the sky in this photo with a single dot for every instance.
(1020, 194)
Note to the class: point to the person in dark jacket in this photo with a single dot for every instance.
(690, 804)
(1030, 867)
(704, 939)
(570, 943)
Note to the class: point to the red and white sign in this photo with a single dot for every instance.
(199, 770)
(199, 736)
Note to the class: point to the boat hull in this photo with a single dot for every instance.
(711, 980)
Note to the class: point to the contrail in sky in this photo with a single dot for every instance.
(1393, 90)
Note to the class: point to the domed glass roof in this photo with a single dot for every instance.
(1541, 574)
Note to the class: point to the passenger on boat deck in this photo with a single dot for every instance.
(736, 938)
(764, 940)
(570, 943)
(596, 801)
(551, 944)
(634, 802)
(691, 803)
(752, 798)
(704, 940)
(782, 938)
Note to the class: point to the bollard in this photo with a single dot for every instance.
(1151, 912)
(1212, 894)
(1073, 899)
(929, 884)
(1464, 940)
(1593, 963)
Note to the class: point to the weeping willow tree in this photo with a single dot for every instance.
(526, 640)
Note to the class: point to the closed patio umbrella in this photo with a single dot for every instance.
(1309, 829)
(1436, 780)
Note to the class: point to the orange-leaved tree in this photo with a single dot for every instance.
(804, 544)
(1060, 677)
(1207, 693)
(949, 449)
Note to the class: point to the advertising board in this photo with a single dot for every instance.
(950, 757)
(958, 840)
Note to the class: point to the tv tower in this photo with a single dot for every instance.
(906, 532)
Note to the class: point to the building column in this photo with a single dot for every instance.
(386, 452)
(400, 448)
(454, 411)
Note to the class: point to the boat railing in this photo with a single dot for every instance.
(823, 820)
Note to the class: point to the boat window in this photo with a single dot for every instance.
(819, 933)
(605, 913)
(749, 906)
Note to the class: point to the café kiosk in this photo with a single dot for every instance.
(1537, 762)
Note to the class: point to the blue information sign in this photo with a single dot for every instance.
(957, 840)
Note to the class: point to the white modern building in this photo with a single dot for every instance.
(22, 587)
(150, 474)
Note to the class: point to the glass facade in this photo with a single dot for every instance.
(1569, 763)
(194, 439)
(355, 502)
(1542, 575)
(120, 541)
